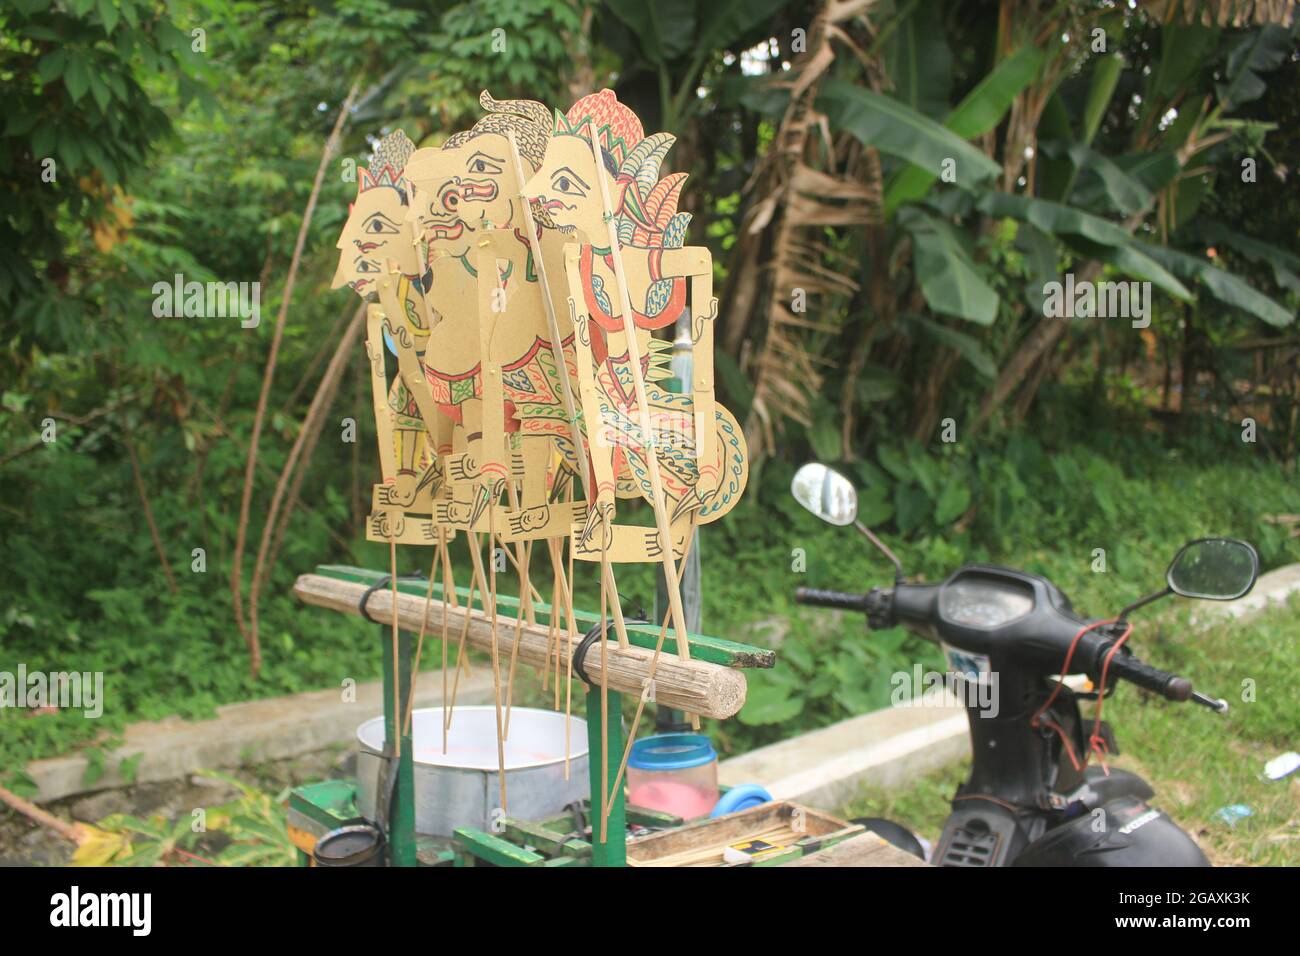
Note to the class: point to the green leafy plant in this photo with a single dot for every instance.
(252, 828)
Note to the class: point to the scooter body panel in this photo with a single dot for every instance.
(1125, 831)
(982, 833)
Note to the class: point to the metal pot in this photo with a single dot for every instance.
(459, 788)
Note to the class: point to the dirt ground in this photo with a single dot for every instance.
(24, 843)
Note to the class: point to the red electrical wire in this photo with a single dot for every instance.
(1094, 741)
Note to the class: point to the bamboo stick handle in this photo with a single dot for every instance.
(693, 686)
(562, 369)
(647, 429)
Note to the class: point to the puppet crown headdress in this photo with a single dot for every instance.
(646, 213)
(530, 121)
(386, 162)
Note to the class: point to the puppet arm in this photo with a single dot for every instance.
(601, 493)
(379, 393)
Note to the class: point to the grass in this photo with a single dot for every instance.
(1197, 761)
(1048, 504)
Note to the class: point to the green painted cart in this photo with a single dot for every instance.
(556, 841)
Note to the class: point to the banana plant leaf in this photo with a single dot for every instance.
(1221, 284)
(950, 280)
(981, 110)
(1052, 217)
(898, 130)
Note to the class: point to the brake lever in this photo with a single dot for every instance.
(1219, 706)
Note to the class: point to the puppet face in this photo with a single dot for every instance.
(567, 189)
(376, 234)
(460, 192)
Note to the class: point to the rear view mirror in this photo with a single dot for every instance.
(1216, 569)
(826, 493)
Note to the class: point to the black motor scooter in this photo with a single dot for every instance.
(1011, 638)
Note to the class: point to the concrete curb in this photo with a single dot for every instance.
(277, 728)
(1271, 591)
(887, 750)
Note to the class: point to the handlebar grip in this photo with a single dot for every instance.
(836, 599)
(1167, 685)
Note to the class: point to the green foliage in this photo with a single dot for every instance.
(81, 87)
(249, 831)
(171, 160)
(980, 111)
(949, 278)
(1172, 744)
(1048, 504)
(898, 130)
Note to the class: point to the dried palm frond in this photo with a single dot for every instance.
(781, 255)
(1224, 13)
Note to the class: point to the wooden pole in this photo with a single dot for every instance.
(693, 686)
(496, 661)
(562, 368)
(638, 383)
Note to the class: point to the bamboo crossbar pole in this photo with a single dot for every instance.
(694, 686)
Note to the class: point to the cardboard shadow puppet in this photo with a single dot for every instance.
(523, 281)
(517, 276)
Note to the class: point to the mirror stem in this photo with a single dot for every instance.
(1123, 615)
(884, 549)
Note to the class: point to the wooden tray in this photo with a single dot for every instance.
(799, 829)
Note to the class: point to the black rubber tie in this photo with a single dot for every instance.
(590, 638)
(379, 585)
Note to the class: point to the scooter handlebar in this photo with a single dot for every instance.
(1136, 671)
(836, 599)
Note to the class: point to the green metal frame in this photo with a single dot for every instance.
(512, 847)
(401, 822)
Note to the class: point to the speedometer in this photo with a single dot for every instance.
(984, 602)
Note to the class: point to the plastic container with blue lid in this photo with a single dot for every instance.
(673, 773)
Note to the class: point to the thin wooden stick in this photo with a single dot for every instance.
(562, 368)
(448, 594)
(250, 633)
(496, 660)
(519, 631)
(397, 687)
(76, 833)
(419, 645)
(654, 665)
(638, 382)
(552, 630)
(568, 683)
(476, 579)
(671, 578)
(604, 719)
(525, 552)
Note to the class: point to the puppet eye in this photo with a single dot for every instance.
(481, 165)
(367, 265)
(378, 226)
(567, 186)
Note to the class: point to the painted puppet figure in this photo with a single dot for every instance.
(698, 443)
(378, 250)
(489, 364)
